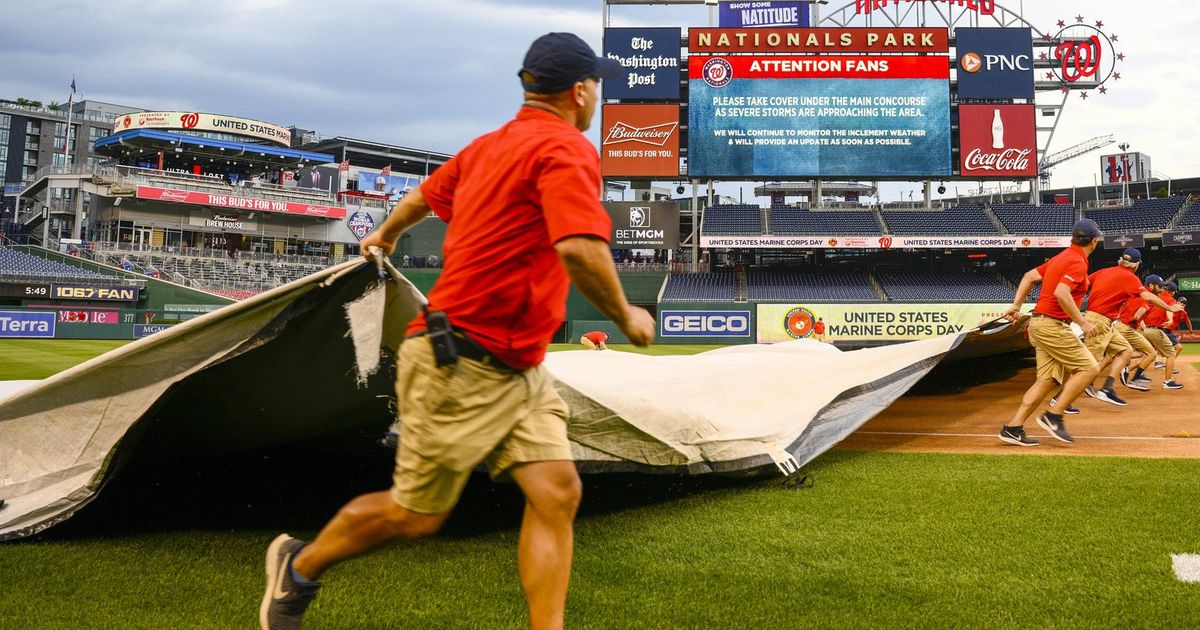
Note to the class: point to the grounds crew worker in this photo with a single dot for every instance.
(1155, 322)
(595, 340)
(523, 213)
(1061, 356)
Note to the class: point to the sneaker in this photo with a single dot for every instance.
(1109, 396)
(285, 601)
(1171, 384)
(1016, 435)
(1125, 377)
(1071, 411)
(1142, 379)
(1091, 392)
(1175, 371)
(1132, 384)
(1057, 428)
(1160, 364)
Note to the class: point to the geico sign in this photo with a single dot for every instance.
(705, 323)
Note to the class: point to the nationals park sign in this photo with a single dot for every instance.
(251, 204)
(195, 121)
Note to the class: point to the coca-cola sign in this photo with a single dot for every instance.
(997, 140)
(640, 141)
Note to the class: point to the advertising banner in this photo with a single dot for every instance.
(88, 317)
(644, 224)
(763, 14)
(26, 324)
(832, 116)
(1121, 241)
(361, 224)
(818, 40)
(704, 323)
(1189, 284)
(650, 59)
(873, 322)
(997, 140)
(994, 62)
(1181, 239)
(145, 330)
(241, 203)
(196, 121)
(1188, 336)
(886, 242)
(222, 221)
(85, 292)
(640, 141)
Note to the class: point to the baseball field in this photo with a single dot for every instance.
(891, 532)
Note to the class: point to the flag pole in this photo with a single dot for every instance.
(70, 111)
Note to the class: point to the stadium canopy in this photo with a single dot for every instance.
(182, 151)
(377, 155)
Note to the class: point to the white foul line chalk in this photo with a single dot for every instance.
(1187, 567)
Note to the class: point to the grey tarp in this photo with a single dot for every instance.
(299, 363)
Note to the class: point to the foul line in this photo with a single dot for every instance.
(992, 435)
(1187, 567)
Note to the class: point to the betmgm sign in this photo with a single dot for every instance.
(644, 225)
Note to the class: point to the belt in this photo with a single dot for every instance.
(1068, 320)
(469, 349)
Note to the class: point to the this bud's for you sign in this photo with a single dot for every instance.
(650, 60)
(997, 140)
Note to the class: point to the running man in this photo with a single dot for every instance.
(524, 219)
(595, 340)
(1061, 356)
(1155, 322)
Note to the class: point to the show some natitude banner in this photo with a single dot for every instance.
(640, 141)
(873, 322)
(252, 204)
(827, 116)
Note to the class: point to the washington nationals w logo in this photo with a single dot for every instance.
(1079, 58)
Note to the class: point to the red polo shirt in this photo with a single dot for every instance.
(597, 337)
(1156, 316)
(1069, 267)
(508, 197)
(1111, 287)
(1130, 309)
(1180, 317)
(819, 328)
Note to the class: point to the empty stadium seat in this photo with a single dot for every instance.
(733, 220)
(1145, 215)
(1043, 220)
(17, 264)
(700, 287)
(795, 286)
(934, 286)
(792, 221)
(958, 220)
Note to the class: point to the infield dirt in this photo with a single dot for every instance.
(960, 407)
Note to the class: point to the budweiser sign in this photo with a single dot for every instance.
(997, 140)
(655, 135)
(640, 141)
(250, 204)
(1006, 160)
(178, 196)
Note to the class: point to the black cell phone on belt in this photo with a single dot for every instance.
(441, 335)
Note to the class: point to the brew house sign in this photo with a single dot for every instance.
(997, 140)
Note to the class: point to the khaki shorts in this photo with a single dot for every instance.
(1108, 342)
(1059, 352)
(457, 416)
(1160, 341)
(1135, 338)
(587, 343)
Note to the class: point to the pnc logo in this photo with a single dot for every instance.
(189, 120)
(971, 62)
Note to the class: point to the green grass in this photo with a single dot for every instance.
(881, 540)
(22, 359)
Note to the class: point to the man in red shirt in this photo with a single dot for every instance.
(595, 340)
(1061, 356)
(522, 204)
(1154, 322)
(819, 330)
(1181, 316)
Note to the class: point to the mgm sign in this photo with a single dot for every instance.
(644, 224)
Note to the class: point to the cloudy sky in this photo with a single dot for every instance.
(433, 75)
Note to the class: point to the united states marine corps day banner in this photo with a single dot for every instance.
(644, 224)
(872, 322)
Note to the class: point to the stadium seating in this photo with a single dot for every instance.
(795, 286)
(1026, 218)
(1145, 215)
(935, 286)
(15, 265)
(1191, 218)
(733, 220)
(1014, 277)
(958, 220)
(700, 287)
(221, 274)
(792, 221)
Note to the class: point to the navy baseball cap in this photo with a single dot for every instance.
(1171, 286)
(1086, 228)
(1131, 255)
(556, 61)
(1154, 279)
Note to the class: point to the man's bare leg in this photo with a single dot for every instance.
(552, 494)
(1033, 398)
